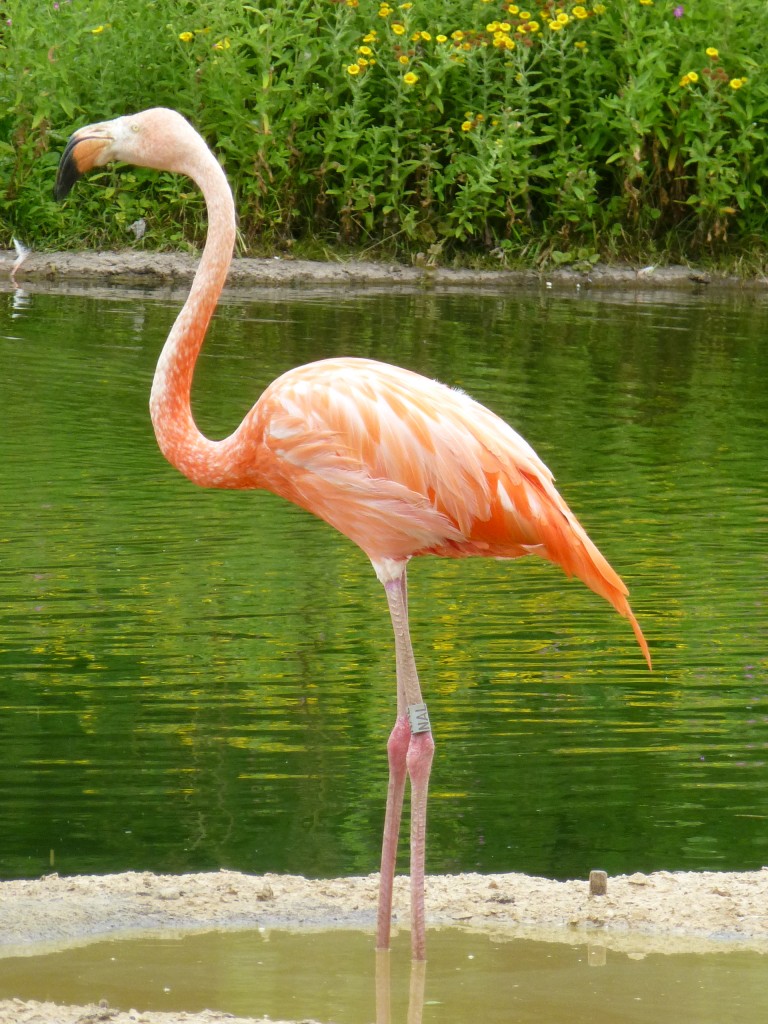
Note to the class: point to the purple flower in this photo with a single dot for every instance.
(679, 11)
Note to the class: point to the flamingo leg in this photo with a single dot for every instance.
(397, 750)
(410, 750)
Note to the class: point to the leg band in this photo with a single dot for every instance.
(418, 718)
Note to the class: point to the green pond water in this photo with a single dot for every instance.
(192, 679)
(335, 977)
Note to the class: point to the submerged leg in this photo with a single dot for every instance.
(383, 996)
(410, 749)
(416, 992)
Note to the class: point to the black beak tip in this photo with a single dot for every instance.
(65, 181)
(67, 174)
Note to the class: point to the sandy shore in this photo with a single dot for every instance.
(664, 911)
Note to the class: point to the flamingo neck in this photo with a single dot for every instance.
(177, 434)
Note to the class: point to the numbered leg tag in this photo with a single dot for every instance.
(418, 718)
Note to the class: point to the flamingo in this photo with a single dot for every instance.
(400, 464)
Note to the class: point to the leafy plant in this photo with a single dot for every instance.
(455, 126)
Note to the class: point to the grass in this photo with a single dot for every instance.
(464, 130)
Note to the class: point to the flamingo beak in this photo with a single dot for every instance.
(85, 149)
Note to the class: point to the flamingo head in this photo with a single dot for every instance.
(159, 138)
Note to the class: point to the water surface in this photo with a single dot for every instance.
(193, 679)
(333, 977)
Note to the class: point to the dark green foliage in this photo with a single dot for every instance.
(444, 127)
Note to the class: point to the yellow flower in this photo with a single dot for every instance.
(513, 9)
(599, 8)
(579, 12)
(692, 76)
(362, 62)
(365, 50)
(410, 78)
(525, 15)
(466, 126)
(581, 45)
(222, 44)
(371, 37)
(403, 59)
(533, 26)
(398, 29)
(385, 11)
(736, 83)
(353, 69)
(492, 26)
(563, 18)
(425, 36)
(441, 38)
(457, 35)
(405, 7)
(647, 3)
(186, 37)
(555, 25)
(96, 31)
(712, 51)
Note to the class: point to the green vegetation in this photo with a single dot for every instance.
(461, 129)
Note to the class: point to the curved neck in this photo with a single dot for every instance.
(179, 439)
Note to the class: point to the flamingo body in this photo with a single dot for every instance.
(403, 466)
(400, 464)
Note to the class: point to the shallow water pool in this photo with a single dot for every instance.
(334, 976)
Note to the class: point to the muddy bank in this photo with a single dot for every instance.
(132, 268)
(688, 910)
(16, 1011)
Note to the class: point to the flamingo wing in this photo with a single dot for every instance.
(404, 466)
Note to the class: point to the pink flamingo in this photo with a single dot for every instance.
(398, 463)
